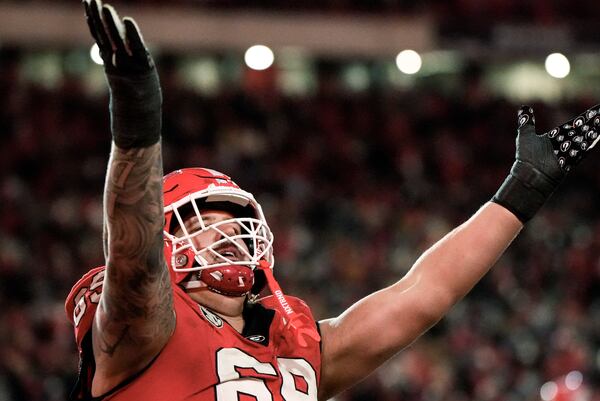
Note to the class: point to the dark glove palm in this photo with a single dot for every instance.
(573, 140)
(120, 42)
(542, 161)
(569, 142)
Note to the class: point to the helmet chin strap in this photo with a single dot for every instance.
(301, 325)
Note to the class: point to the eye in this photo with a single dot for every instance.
(192, 227)
(192, 224)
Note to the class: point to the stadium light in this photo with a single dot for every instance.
(408, 61)
(259, 57)
(557, 65)
(573, 380)
(95, 55)
(548, 391)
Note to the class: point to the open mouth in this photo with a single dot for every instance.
(229, 252)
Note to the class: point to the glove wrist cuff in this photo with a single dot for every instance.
(135, 109)
(525, 190)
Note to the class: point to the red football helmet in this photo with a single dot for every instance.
(227, 265)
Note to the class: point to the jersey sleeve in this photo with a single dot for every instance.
(298, 319)
(82, 302)
(297, 304)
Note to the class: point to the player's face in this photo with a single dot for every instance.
(211, 236)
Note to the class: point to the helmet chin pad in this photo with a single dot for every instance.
(232, 280)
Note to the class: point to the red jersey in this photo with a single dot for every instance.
(206, 359)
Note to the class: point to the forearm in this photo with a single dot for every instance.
(451, 267)
(134, 222)
(133, 209)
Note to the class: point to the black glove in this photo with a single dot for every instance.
(120, 42)
(135, 95)
(542, 161)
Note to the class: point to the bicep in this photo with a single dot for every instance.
(133, 221)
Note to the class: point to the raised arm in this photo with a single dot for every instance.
(135, 315)
(380, 325)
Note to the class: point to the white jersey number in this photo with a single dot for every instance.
(94, 297)
(229, 360)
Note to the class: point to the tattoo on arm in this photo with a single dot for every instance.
(136, 304)
(108, 346)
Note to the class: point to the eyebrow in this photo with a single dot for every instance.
(195, 220)
(207, 219)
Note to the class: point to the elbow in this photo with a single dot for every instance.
(434, 305)
(429, 298)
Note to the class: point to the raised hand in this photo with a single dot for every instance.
(120, 42)
(542, 161)
(574, 139)
(135, 94)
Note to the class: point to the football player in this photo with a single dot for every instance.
(187, 308)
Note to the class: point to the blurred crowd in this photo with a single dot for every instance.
(355, 187)
(482, 13)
